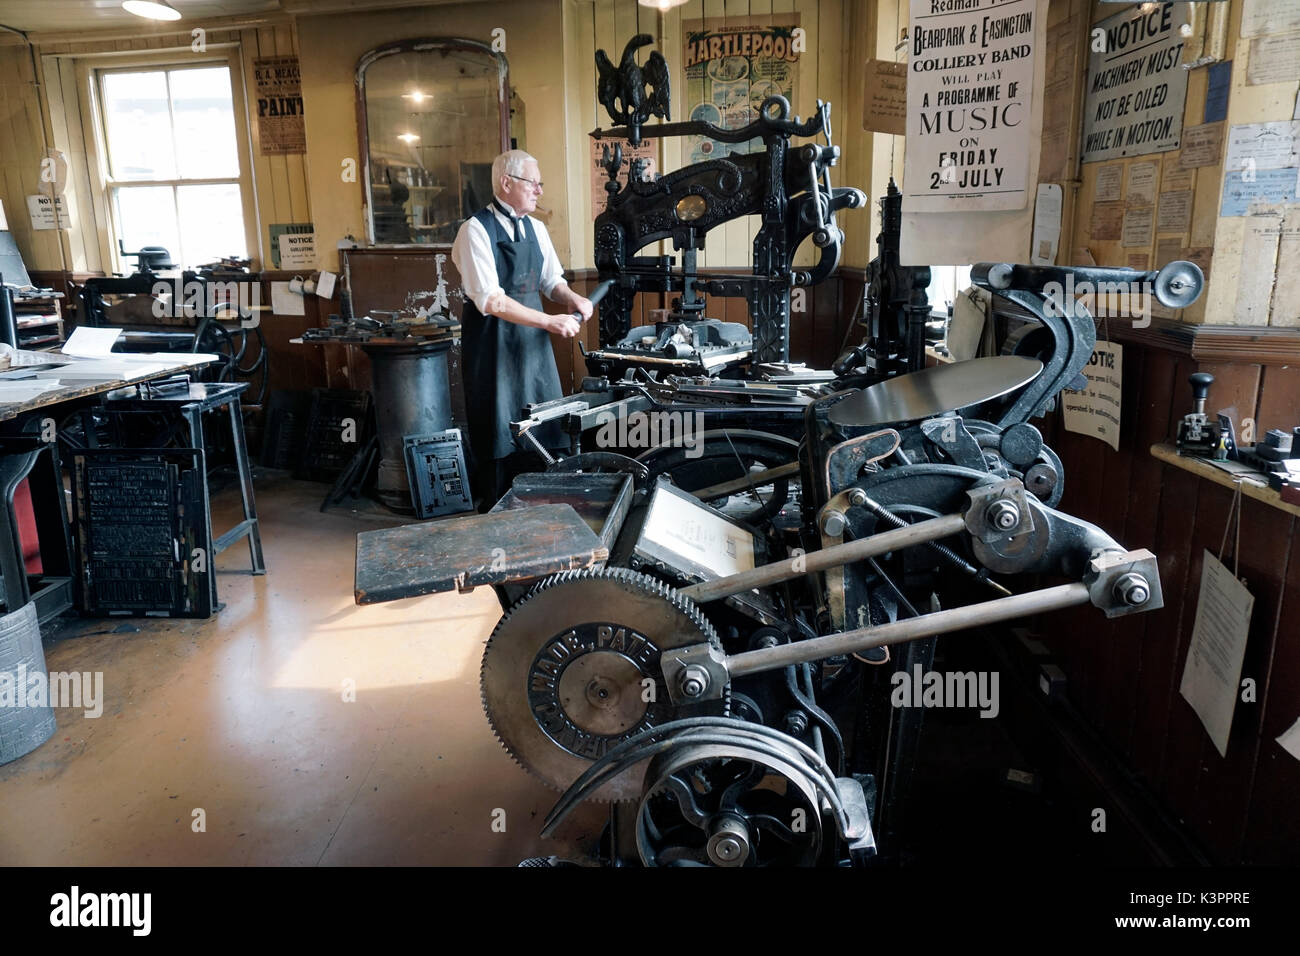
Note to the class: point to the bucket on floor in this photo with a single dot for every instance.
(22, 728)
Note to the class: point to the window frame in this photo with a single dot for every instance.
(90, 72)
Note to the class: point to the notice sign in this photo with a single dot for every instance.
(280, 126)
(297, 250)
(884, 101)
(1136, 83)
(969, 93)
(1095, 411)
(48, 213)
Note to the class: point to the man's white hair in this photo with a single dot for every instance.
(509, 163)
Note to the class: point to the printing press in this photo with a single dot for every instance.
(703, 634)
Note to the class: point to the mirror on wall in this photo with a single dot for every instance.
(433, 114)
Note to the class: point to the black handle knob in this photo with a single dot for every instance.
(1201, 382)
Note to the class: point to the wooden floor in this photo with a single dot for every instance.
(243, 717)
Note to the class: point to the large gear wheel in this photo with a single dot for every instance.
(573, 670)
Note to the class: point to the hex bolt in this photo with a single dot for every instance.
(1132, 589)
(694, 681)
(833, 523)
(796, 722)
(1002, 515)
(857, 497)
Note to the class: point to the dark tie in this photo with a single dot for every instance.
(514, 221)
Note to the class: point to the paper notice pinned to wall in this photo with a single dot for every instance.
(298, 250)
(1142, 184)
(1172, 174)
(1047, 224)
(1290, 740)
(1139, 224)
(1202, 145)
(884, 101)
(1274, 59)
(1096, 409)
(1107, 221)
(1213, 669)
(48, 212)
(1262, 146)
(1175, 213)
(1110, 183)
(1259, 17)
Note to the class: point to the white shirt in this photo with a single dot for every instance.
(475, 258)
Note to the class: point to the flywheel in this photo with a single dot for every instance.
(573, 669)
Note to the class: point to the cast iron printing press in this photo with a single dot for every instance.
(701, 635)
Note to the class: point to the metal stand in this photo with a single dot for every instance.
(191, 404)
(412, 397)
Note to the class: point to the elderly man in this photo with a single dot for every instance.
(506, 263)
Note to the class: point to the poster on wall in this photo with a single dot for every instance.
(280, 126)
(732, 65)
(1136, 87)
(970, 88)
(647, 151)
(279, 229)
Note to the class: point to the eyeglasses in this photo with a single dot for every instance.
(535, 183)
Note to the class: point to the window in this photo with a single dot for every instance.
(945, 283)
(171, 161)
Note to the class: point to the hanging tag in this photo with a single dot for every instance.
(1212, 674)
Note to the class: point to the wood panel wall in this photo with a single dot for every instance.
(1123, 675)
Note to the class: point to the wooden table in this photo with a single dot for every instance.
(1252, 486)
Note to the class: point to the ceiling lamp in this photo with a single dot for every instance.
(151, 9)
(661, 5)
(416, 96)
(408, 137)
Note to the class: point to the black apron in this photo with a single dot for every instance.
(506, 365)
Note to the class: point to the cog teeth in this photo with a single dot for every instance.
(644, 582)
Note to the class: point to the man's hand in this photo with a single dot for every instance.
(583, 306)
(566, 325)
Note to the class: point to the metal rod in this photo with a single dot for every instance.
(745, 482)
(899, 632)
(832, 557)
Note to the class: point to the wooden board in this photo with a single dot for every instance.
(465, 552)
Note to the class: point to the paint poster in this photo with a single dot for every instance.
(280, 124)
(970, 91)
(1136, 85)
(647, 151)
(732, 65)
(1095, 410)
